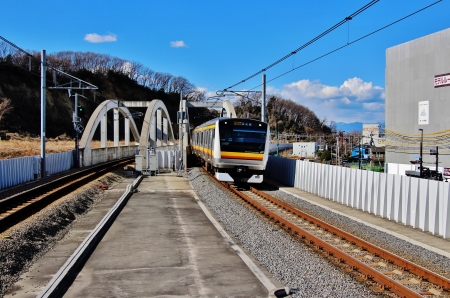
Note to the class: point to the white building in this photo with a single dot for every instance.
(373, 131)
(305, 149)
(418, 99)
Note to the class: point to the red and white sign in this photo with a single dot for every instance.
(447, 172)
(442, 80)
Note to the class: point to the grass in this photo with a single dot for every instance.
(31, 147)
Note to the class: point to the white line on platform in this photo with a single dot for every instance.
(252, 266)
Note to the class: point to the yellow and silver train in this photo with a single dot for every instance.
(236, 149)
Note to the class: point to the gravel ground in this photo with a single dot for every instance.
(416, 254)
(26, 242)
(289, 261)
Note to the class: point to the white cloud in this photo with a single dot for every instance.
(208, 93)
(178, 44)
(373, 106)
(360, 89)
(96, 38)
(346, 100)
(355, 100)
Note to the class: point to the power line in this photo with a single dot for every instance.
(350, 17)
(80, 82)
(348, 43)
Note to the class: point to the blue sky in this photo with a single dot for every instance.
(215, 44)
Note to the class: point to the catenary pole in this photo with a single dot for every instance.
(43, 100)
(263, 99)
(76, 121)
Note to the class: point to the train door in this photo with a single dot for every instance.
(212, 143)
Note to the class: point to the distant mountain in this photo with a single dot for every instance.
(351, 127)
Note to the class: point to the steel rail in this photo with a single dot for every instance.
(18, 207)
(329, 249)
(390, 257)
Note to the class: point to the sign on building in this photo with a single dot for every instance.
(423, 112)
(442, 80)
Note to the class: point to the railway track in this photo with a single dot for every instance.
(24, 204)
(385, 272)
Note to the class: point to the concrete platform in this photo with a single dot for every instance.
(399, 230)
(164, 243)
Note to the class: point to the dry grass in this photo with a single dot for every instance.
(30, 147)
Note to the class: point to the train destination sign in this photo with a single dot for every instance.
(442, 80)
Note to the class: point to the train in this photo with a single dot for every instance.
(362, 153)
(235, 149)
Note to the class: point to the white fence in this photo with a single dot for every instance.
(169, 159)
(20, 170)
(24, 169)
(420, 203)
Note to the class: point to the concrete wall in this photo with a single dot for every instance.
(99, 155)
(410, 71)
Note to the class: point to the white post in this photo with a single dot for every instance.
(116, 127)
(158, 128)
(127, 131)
(165, 135)
(103, 130)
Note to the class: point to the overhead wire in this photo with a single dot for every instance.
(89, 85)
(348, 18)
(348, 43)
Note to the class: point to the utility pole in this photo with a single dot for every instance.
(181, 131)
(75, 125)
(420, 158)
(337, 151)
(360, 153)
(43, 101)
(263, 99)
(276, 127)
(437, 161)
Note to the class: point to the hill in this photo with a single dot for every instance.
(23, 89)
(123, 81)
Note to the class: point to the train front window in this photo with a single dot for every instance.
(242, 136)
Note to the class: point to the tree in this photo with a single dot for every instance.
(5, 107)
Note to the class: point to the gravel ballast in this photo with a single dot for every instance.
(289, 261)
(23, 244)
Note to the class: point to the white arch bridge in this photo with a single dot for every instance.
(156, 131)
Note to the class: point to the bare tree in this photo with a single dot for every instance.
(161, 81)
(145, 77)
(5, 107)
(195, 95)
